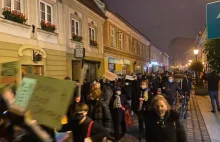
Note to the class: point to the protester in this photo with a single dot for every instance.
(107, 92)
(127, 90)
(118, 105)
(98, 109)
(213, 81)
(163, 123)
(83, 128)
(171, 88)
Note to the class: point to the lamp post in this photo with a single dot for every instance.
(196, 52)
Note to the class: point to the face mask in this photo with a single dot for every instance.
(118, 92)
(143, 87)
(77, 117)
(126, 83)
(170, 80)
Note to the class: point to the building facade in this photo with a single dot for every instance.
(126, 51)
(85, 20)
(53, 29)
(82, 26)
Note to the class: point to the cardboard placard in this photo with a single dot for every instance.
(110, 76)
(128, 77)
(50, 100)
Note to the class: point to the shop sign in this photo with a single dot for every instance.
(154, 63)
(127, 62)
(115, 61)
(79, 52)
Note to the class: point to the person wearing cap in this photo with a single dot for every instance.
(117, 107)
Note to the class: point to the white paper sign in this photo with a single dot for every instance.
(110, 76)
(128, 77)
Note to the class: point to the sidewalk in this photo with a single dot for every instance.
(212, 121)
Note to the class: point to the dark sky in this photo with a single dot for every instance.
(163, 20)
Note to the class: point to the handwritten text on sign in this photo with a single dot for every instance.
(50, 100)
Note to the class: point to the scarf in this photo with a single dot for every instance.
(117, 102)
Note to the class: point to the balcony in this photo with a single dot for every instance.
(14, 28)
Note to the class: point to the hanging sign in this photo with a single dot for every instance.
(79, 52)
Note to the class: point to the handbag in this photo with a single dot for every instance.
(128, 118)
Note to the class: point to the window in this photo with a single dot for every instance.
(113, 37)
(127, 43)
(120, 40)
(12, 4)
(134, 47)
(46, 12)
(92, 34)
(75, 27)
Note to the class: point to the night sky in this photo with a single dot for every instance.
(163, 20)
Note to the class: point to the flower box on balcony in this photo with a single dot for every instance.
(77, 38)
(93, 43)
(14, 15)
(47, 26)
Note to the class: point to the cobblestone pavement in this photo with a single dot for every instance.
(195, 126)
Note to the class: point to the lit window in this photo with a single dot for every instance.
(46, 12)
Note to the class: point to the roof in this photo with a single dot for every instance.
(123, 20)
(93, 6)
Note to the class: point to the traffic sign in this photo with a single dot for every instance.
(213, 20)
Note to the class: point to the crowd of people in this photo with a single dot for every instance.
(104, 109)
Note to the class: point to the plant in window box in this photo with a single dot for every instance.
(76, 37)
(93, 43)
(47, 26)
(14, 15)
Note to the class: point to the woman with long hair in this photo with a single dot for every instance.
(163, 123)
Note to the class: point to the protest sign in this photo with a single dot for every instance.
(128, 77)
(8, 74)
(110, 76)
(50, 100)
(24, 93)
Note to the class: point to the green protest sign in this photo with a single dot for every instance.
(50, 100)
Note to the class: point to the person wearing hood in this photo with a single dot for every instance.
(98, 109)
(84, 129)
(118, 105)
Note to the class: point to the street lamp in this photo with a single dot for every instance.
(196, 52)
(190, 61)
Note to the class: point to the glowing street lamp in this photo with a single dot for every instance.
(190, 61)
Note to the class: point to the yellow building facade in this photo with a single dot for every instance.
(22, 42)
(126, 50)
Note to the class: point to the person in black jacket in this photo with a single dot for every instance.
(127, 90)
(118, 105)
(163, 123)
(213, 81)
(98, 109)
(144, 100)
(171, 88)
(83, 128)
